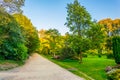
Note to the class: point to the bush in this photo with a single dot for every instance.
(12, 42)
(66, 53)
(116, 48)
(84, 55)
(92, 52)
(110, 55)
(21, 52)
(113, 74)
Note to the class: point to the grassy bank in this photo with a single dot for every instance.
(91, 68)
(9, 64)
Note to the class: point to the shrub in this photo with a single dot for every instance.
(12, 42)
(84, 55)
(66, 53)
(110, 55)
(113, 74)
(92, 52)
(21, 52)
(116, 48)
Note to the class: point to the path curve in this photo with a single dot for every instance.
(38, 68)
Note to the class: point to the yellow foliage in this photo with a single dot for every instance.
(110, 25)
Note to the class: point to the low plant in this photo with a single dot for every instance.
(114, 74)
(66, 53)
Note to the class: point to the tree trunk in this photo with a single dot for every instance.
(99, 52)
(80, 57)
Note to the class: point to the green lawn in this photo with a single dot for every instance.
(92, 66)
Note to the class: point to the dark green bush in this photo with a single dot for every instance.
(110, 55)
(21, 52)
(66, 53)
(116, 48)
(113, 74)
(84, 55)
(12, 43)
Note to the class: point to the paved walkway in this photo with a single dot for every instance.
(38, 68)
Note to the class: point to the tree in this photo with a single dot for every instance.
(53, 39)
(96, 36)
(116, 48)
(29, 32)
(78, 20)
(11, 6)
(44, 43)
(12, 42)
(112, 28)
(79, 45)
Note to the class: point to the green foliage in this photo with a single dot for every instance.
(84, 55)
(29, 32)
(110, 55)
(92, 52)
(78, 18)
(113, 74)
(116, 48)
(53, 40)
(79, 44)
(21, 52)
(109, 43)
(33, 42)
(12, 41)
(67, 53)
(96, 35)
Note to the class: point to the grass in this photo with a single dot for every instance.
(9, 64)
(91, 68)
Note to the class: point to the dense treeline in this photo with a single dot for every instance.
(18, 36)
(30, 33)
(11, 39)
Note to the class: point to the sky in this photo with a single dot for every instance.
(46, 14)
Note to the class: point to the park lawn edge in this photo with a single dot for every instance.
(67, 67)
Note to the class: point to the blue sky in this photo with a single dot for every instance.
(46, 14)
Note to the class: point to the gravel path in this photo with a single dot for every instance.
(38, 68)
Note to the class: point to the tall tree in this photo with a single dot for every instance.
(29, 31)
(53, 39)
(11, 6)
(44, 42)
(78, 19)
(49, 41)
(112, 28)
(96, 36)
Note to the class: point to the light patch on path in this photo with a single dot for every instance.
(38, 68)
